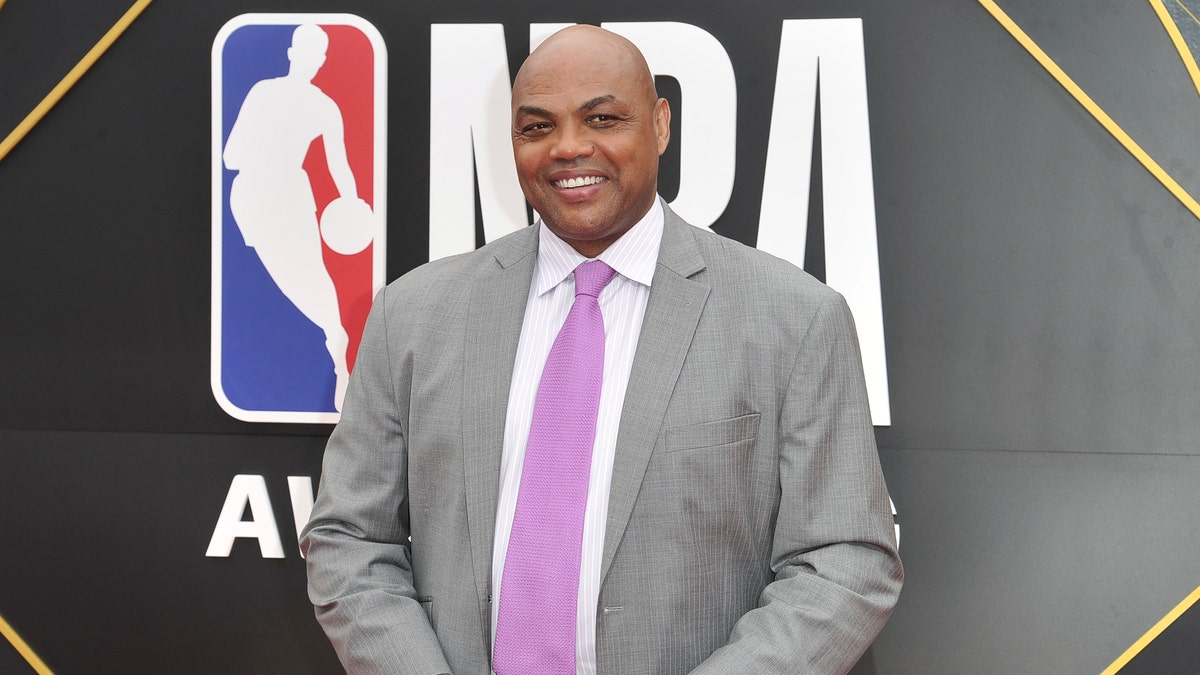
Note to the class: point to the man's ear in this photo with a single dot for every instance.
(662, 124)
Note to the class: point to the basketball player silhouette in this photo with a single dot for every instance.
(271, 197)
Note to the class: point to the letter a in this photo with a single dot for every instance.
(252, 490)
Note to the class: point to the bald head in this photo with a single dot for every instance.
(588, 129)
(592, 45)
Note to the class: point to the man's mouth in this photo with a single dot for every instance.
(578, 182)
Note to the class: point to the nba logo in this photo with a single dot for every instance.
(298, 250)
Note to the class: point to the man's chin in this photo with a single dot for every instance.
(572, 220)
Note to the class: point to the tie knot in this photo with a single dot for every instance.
(591, 277)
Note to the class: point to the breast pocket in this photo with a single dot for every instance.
(736, 430)
(710, 478)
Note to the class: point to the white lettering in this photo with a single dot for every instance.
(252, 490)
(895, 525)
(708, 131)
(832, 48)
(469, 135)
(538, 32)
(300, 489)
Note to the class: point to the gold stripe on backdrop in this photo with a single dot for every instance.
(1092, 107)
(72, 77)
(15, 640)
(1185, 54)
(1153, 633)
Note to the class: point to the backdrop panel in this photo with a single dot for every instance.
(1037, 288)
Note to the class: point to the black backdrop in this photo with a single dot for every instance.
(1039, 293)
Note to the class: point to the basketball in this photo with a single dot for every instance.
(347, 225)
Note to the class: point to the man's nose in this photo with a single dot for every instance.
(572, 142)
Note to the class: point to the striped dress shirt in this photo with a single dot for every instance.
(623, 303)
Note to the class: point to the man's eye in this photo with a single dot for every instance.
(536, 127)
(601, 119)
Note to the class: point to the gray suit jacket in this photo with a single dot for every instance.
(749, 528)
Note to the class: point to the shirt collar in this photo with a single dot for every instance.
(633, 256)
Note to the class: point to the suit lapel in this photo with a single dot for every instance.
(498, 299)
(672, 313)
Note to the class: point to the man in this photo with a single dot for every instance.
(736, 519)
(271, 198)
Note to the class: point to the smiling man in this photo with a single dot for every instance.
(608, 443)
(587, 143)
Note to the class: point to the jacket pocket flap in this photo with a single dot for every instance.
(712, 434)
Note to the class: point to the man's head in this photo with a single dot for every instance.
(307, 53)
(588, 129)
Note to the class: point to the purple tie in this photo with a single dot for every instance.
(535, 630)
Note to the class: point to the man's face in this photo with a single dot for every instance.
(587, 134)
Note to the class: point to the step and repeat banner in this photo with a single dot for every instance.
(1003, 191)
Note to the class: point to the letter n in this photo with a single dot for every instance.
(470, 136)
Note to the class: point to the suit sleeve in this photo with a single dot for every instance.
(356, 543)
(837, 572)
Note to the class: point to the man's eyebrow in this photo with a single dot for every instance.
(599, 100)
(532, 110)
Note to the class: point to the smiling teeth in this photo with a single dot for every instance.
(578, 182)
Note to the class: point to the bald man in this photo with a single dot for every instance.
(732, 517)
